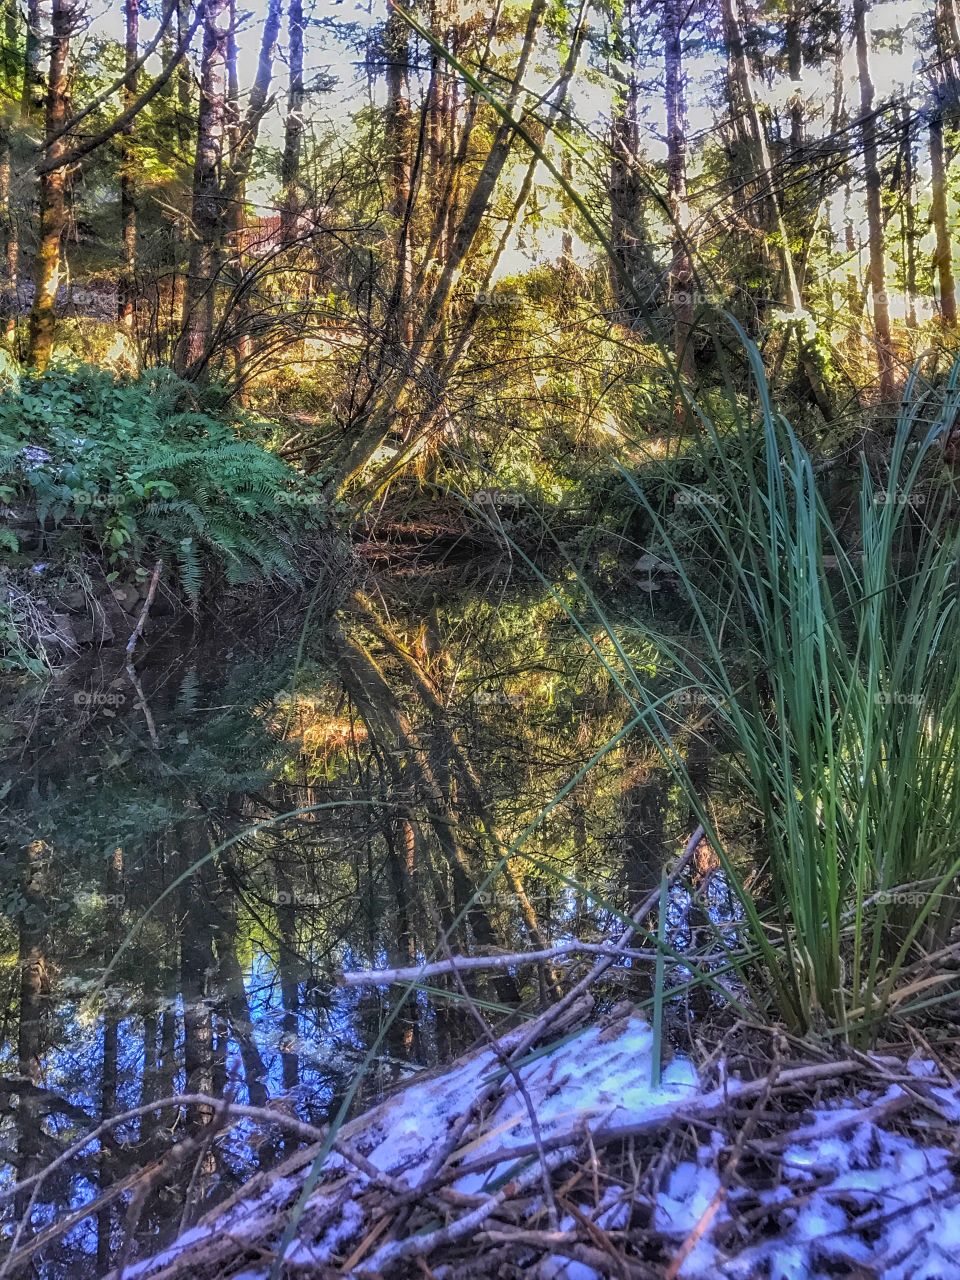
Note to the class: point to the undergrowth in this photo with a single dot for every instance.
(141, 468)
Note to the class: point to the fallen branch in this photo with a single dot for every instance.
(145, 611)
(703, 1107)
(498, 960)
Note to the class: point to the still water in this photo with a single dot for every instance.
(193, 856)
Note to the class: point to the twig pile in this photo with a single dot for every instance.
(781, 1163)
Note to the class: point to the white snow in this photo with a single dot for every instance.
(861, 1195)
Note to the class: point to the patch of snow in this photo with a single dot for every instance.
(322, 1251)
(557, 1267)
(861, 1196)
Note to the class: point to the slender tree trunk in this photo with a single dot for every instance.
(909, 221)
(31, 101)
(398, 137)
(794, 44)
(53, 189)
(293, 128)
(233, 86)
(9, 240)
(943, 252)
(128, 184)
(878, 277)
(184, 80)
(681, 280)
(235, 179)
(193, 350)
(287, 964)
(34, 994)
(113, 886)
(791, 288)
(196, 963)
(627, 233)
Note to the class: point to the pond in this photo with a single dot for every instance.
(196, 851)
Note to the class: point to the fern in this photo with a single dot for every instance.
(136, 468)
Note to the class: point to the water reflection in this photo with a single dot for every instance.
(189, 865)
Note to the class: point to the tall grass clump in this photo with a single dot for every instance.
(831, 666)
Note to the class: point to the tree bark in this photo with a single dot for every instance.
(293, 127)
(9, 240)
(31, 100)
(193, 349)
(681, 278)
(243, 146)
(128, 187)
(53, 188)
(793, 299)
(398, 132)
(627, 232)
(184, 80)
(877, 273)
(909, 221)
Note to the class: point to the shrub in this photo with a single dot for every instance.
(139, 468)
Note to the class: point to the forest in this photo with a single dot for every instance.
(479, 639)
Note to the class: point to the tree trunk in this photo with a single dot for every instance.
(909, 221)
(31, 101)
(943, 253)
(128, 189)
(681, 279)
(233, 86)
(53, 188)
(293, 127)
(868, 133)
(398, 131)
(743, 80)
(184, 80)
(34, 1001)
(196, 964)
(109, 1076)
(235, 181)
(794, 43)
(193, 350)
(627, 232)
(9, 240)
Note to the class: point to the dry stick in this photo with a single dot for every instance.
(702, 1107)
(833, 1125)
(145, 611)
(541, 1024)
(170, 1159)
(567, 1243)
(229, 1110)
(499, 960)
(522, 1089)
(397, 1251)
(713, 1208)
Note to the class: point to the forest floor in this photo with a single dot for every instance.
(571, 1162)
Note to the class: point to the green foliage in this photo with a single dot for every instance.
(139, 469)
(830, 661)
